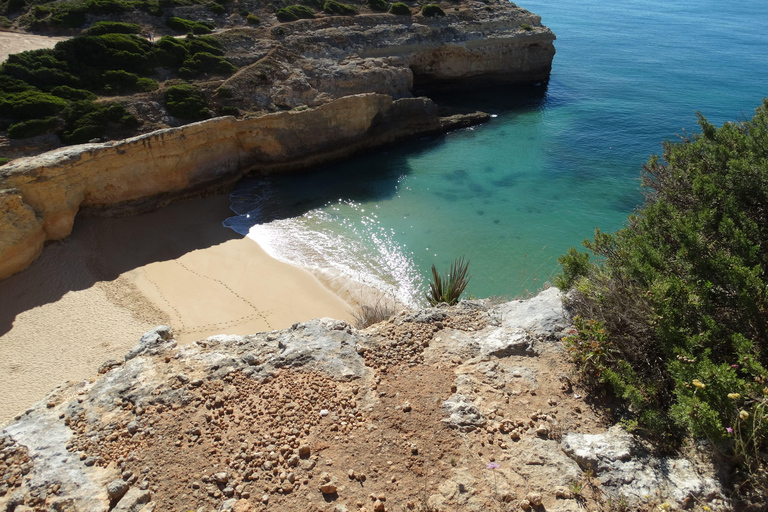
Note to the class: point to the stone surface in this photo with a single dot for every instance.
(238, 436)
(21, 233)
(624, 469)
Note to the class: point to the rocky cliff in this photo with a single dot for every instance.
(470, 408)
(348, 81)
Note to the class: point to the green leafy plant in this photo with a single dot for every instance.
(112, 27)
(378, 5)
(681, 291)
(32, 127)
(432, 10)
(186, 102)
(252, 20)
(526, 27)
(294, 12)
(448, 288)
(189, 26)
(400, 9)
(4, 160)
(334, 7)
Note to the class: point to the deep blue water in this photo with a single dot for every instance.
(558, 159)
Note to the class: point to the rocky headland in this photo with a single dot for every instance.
(468, 407)
(316, 91)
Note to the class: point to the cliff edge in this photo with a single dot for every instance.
(468, 407)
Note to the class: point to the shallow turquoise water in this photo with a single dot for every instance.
(558, 159)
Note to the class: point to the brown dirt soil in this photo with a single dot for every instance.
(382, 445)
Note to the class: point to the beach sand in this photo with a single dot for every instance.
(90, 297)
(17, 42)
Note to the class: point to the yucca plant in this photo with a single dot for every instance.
(448, 288)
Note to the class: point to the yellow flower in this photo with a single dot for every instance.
(665, 507)
(698, 384)
(734, 396)
(744, 415)
(706, 508)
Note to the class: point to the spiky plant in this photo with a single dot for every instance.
(448, 288)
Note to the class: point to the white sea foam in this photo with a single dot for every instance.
(347, 243)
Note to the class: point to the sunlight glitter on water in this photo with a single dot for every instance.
(347, 243)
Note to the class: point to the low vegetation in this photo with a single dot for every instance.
(432, 10)
(294, 12)
(400, 9)
(186, 102)
(449, 287)
(334, 7)
(378, 5)
(673, 314)
(55, 90)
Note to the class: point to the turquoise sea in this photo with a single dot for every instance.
(557, 160)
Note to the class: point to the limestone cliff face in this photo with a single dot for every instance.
(21, 233)
(143, 172)
(311, 61)
(352, 75)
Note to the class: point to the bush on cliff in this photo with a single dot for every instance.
(206, 63)
(432, 10)
(334, 7)
(86, 120)
(400, 9)
(673, 316)
(378, 5)
(186, 102)
(189, 26)
(112, 27)
(294, 12)
(33, 127)
(30, 105)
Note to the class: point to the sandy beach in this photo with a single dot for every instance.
(90, 297)
(17, 42)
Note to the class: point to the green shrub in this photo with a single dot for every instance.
(32, 127)
(118, 81)
(11, 84)
(216, 8)
(112, 27)
(4, 160)
(682, 291)
(334, 7)
(432, 10)
(5, 23)
(448, 288)
(230, 111)
(86, 120)
(69, 93)
(224, 92)
(526, 27)
(203, 44)
(170, 52)
(400, 8)
(252, 20)
(30, 105)
(294, 12)
(206, 63)
(379, 5)
(186, 102)
(187, 26)
(108, 6)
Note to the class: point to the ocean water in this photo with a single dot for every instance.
(557, 159)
